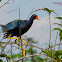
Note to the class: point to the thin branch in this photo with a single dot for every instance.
(18, 43)
(4, 3)
(38, 54)
(33, 12)
(50, 30)
(56, 14)
(37, 10)
(28, 56)
(57, 32)
(56, 39)
(11, 52)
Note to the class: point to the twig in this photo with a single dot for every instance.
(11, 52)
(50, 30)
(31, 56)
(57, 32)
(34, 46)
(37, 10)
(18, 43)
(4, 10)
(56, 14)
(58, 44)
(56, 39)
(34, 11)
(4, 4)
(60, 39)
(28, 56)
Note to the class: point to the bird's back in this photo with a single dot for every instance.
(12, 25)
(15, 24)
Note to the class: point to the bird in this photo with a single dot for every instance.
(18, 28)
(14, 26)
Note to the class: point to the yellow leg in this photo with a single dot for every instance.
(17, 43)
(24, 40)
(13, 38)
(22, 50)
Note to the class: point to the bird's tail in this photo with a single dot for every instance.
(4, 28)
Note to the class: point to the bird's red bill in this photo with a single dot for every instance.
(37, 18)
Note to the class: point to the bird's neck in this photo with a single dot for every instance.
(29, 23)
(31, 20)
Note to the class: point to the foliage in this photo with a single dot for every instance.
(56, 29)
(32, 51)
(56, 55)
(58, 18)
(2, 46)
(59, 29)
(18, 55)
(60, 32)
(49, 11)
(39, 58)
(58, 24)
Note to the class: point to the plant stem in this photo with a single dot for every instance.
(50, 30)
(60, 39)
(56, 39)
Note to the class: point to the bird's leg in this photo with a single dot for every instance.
(13, 38)
(22, 50)
(24, 40)
(17, 43)
(21, 46)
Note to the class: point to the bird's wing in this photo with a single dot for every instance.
(15, 24)
(12, 25)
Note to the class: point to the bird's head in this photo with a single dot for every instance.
(34, 16)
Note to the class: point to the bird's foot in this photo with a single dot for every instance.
(24, 40)
(13, 38)
(9, 37)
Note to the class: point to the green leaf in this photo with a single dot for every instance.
(39, 58)
(58, 24)
(0, 0)
(60, 34)
(31, 50)
(58, 18)
(18, 55)
(2, 46)
(58, 53)
(49, 11)
(56, 29)
(50, 53)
